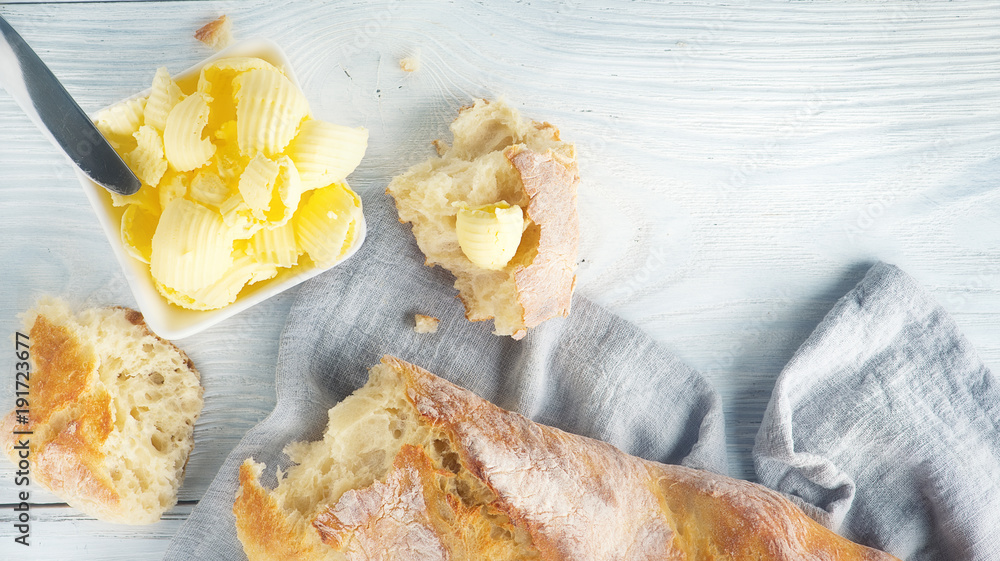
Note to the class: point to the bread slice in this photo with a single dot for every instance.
(496, 156)
(414, 467)
(111, 410)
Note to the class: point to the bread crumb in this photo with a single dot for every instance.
(425, 324)
(410, 64)
(440, 146)
(217, 34)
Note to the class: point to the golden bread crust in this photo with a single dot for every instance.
(56, 349)
(68, 465)
(713, 513)
(545, 286)
(264, 530)
(66, 452)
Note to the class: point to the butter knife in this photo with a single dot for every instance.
(53, 110)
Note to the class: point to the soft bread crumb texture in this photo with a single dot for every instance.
(414, 467)
(496, 156)
(425, 324)
(380, 479)
(409, 63)
(217, 33)
(112, 412)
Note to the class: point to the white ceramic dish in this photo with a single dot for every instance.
(165, 319)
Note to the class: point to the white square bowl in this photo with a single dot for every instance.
(171, 321)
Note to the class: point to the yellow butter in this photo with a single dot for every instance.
(216, 81)
(244, 270)
(137, 229)
(288, 190)
(326, 223)
(172, 186)
(209, 189)
(269, 109)
(148, 159)
(276, 246)
(238, 217)
(489, 235)
(121, 120)
(326, 153)
(183, 144)
(223, 203)
(164, 94)
(256, 184)
(147, 199)
(191, 248)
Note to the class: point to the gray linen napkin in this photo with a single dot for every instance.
(591, 373)
(887, 422)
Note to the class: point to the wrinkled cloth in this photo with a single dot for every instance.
(591, 373)
(885, 421)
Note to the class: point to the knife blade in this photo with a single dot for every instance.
(39, 93)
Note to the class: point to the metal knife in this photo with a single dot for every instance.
(50, 106)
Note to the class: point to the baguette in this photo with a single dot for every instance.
(414, 467)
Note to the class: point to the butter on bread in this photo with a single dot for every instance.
(497, 157)
(414, 467)
(111, 411)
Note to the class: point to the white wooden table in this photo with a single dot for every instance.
(743, 164)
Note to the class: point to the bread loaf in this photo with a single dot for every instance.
(496, 157)
(414, 467)
(111, 411)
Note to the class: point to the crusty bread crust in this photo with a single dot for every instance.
(67, 464)
(264, 530)
(563, 486)
(111, 412)
(545, 285)
(525, 491)
(424, 522)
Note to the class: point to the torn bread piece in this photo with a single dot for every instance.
(414, 467)
(217, 33)
(497, 208)
(112, 412)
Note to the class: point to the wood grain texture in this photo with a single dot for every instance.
(742, 163)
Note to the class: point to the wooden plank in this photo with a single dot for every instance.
(59, 533)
